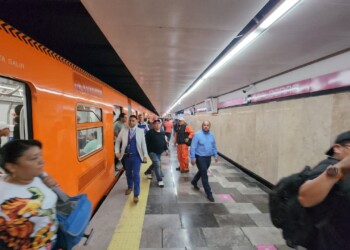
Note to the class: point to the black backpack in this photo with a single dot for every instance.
(287, 213)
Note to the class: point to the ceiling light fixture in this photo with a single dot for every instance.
(282, 9)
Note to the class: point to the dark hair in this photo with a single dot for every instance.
(18, 109)
(16, 119)
(13, 150)
(133, 116)
(121, 115)
(345, 142)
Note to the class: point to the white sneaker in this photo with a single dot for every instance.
(160, 184)
(149, 176)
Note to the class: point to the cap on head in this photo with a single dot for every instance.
(181, 119)
(345, 136)
(157, 120)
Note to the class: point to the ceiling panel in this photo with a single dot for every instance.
(299, 38)
(169, 43)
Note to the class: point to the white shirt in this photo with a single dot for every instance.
(30, 208)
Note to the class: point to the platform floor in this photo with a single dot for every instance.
(179, 217)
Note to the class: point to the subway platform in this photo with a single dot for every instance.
(180, 217)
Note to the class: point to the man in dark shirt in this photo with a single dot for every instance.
(156, 145)
(327, 195)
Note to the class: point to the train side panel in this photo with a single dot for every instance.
(57, 87)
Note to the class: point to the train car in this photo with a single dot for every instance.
(67, 109)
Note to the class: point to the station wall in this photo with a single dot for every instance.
(276, 139)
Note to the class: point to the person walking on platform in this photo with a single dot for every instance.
(326, 194)
(156, 145)
(134, 151)
(183, 135)
(168, 127)
(142, 124)
(203, 147)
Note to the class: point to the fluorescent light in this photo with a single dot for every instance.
(274, 16)
(243, 43)
(280, 11)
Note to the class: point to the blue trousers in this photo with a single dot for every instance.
(132, 167)
(203, 163)
(155, 165)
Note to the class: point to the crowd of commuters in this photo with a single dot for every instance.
(326, 188)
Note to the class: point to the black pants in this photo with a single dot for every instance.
(203, 163)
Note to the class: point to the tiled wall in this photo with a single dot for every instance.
(279, 138)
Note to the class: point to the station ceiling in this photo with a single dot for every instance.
(153, 50)
(67, 28)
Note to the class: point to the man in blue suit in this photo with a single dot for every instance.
(134, 152)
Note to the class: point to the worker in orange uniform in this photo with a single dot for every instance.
(183, 137)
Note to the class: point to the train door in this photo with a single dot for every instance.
(15, 109)
(117, 111)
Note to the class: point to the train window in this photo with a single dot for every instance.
(89, 140)
(86, 114)
(13, 109)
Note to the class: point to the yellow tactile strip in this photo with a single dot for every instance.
(129, 230)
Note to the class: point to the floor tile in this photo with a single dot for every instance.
(262, 220)
(163, 248)
(159, 199)
(230, 236)
(198, 220)
(154, 209)
(235, 220)
(250, 190)
(156, 221)
(180, 217)
(151, 238)
(197, 208)
(183, 238)
(170, 208)
(211, 248)
(263, 207)
(241, 208)
(264, 235)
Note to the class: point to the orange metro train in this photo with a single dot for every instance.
(67, 109)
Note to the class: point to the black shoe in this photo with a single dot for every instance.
(178, 169)
(195, 186)
(211, 198)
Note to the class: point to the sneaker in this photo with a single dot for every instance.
(136, 199)
(149, 176)
(211, 198)
(178, 169)
(195, 185)
(160, 184)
